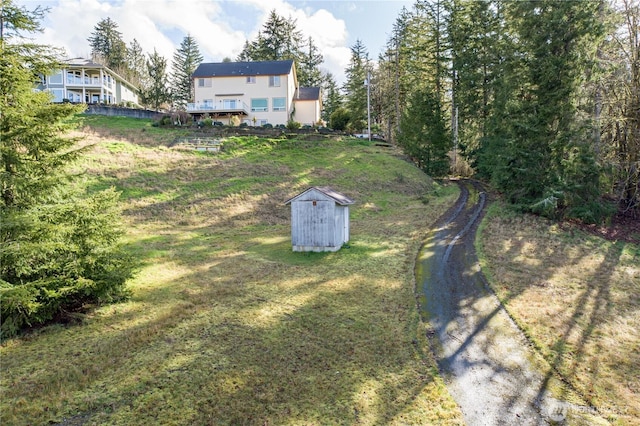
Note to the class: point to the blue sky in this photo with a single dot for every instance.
(221, 26)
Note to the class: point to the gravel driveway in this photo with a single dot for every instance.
(485, 359)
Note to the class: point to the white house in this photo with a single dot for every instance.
(84, 81)
(258, 92)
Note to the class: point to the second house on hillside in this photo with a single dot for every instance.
(259, 93)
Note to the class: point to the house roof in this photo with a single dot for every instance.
(234, 69)
(308, 94)
(82, 62)
(339, 198)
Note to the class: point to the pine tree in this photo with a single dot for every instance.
(308, 63)
(136, 63)
(107, 45)
(473, 34)
(332, 98)
(185, 61)
(540, 155)
(279, 39)
(355, 88)
(423, 134)
(156, 94)
(59, 246)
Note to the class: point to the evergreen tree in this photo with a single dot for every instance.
(423, 134)
(332, 99)
(136, 63)
(279, 39)
(308, 63)
(185, 61)
(107, 45)
(473, 34)
(156, 94)
(248, 53)
(536, 149)
(58, 247)
(355, 88)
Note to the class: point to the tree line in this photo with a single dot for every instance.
(539, 98)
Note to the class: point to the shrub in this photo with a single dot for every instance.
(235, 121)
(339, 119)
(293, 125)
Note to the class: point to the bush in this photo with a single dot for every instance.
(293, 125)
(267, 126)
(235, 121)
(165, 120)
(339, 119)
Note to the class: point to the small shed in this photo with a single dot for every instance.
(319, 219)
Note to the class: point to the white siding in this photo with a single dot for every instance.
(237, 88)
(318, 223)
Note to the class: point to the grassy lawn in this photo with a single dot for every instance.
(577, 297)
(226, 325)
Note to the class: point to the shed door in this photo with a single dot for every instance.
(314, 223)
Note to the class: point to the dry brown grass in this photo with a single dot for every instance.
(577, 296)
(226, 324)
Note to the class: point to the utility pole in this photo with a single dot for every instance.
(367, 82)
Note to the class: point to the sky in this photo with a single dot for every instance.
(221, 27)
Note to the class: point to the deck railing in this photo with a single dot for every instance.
(236, 105)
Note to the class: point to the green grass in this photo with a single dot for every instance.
(577, 297)
(226, 324)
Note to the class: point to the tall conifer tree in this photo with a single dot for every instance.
(59, 246)
(107, 45)
(355, 88)
(185, 61)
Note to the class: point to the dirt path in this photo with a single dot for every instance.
(485, 359)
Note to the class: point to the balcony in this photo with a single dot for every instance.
(87, 81)
(222, 108)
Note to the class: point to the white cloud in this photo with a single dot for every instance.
(162, 24)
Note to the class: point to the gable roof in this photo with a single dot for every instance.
(339, 198)
(235, 69)
(308, 94)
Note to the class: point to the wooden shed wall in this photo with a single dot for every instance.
(318, 223)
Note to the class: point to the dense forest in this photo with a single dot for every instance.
(540, 98)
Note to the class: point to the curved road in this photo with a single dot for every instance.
(482, 355)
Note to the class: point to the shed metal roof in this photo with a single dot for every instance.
(234, 69)
(339, 198)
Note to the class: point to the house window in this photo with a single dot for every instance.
(204, 82)
(274, 81)
(56, 78)
(58, 95)
(279, 104)
(251, 79)
(259, 104)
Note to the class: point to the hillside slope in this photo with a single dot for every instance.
(226, 324)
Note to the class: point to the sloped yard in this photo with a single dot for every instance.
(226, 325)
